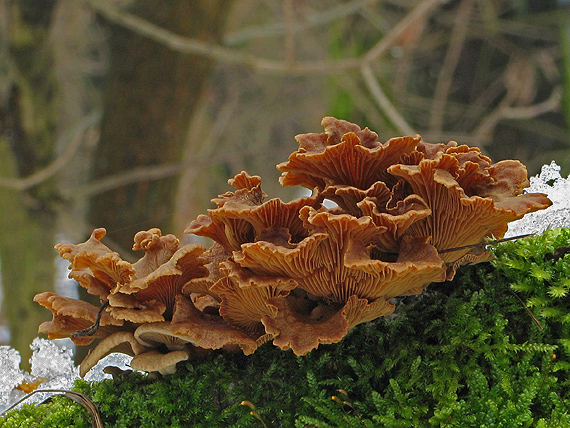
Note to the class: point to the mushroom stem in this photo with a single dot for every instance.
(91, 330)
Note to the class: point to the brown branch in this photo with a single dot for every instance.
(197, 47)
(419, 13)
(445, 78)
(504, 111)
(62, 160)
(233, 56)
(384, 102)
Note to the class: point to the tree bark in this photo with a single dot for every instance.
(150, 97)
(27, 218)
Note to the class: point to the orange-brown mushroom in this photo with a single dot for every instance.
(335, 261)
(408, 214)
(324, 324)
(243, 217)
(244, 296)
(121, 341)
(457, 219)
(343, 154)
(208, 331)
(95, 266)
(158, 250)
(71, 315)
(158, 334)
(155, 361)
(158, 289)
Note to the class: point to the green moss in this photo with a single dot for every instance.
(474, 352)
(58, 412)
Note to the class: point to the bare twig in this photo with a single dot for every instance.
(124, 178)
(504, 110)
(481, 245)
(92, 329)
(384, 103)
(289, 33)
(62, 160)
(528, 112)
(311, 20)
(450, 62)
(232, 56)
(419, 13)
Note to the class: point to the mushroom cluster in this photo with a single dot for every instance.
(408, 213)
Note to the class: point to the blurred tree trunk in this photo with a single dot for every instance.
(150, 98)
(27, 218)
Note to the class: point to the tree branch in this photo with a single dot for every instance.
(384, 103)
(233, 56)
(66, 155)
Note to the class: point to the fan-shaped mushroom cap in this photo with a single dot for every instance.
(95, 266)
(302, 333)
(155, 361)
(396, 219)
(348, 197)
(343, 154)
(208, 331)
(358, 310)
(121, 341)
(231, 232)
(243, 216)
(71, 315)
(158, 250)
(155, 334)
(244, 296)
(325, 324)
(334, 261)
(457, 219)
(127, 307)
(213, 258)
(160, 286)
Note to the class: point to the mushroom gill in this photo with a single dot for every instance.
(71, 315)
(335, 263)
(458, 219)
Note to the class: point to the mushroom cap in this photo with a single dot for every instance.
(418, 265)
(163, 284)
(213, 257)
(358, 310)
(158, 250)
(325, 324)
(127, 307)
(71, 315)
(95, 266)
(343, 156)
(227, 231)
(396, 220)
(244, 296)
(243, 217)
(335, 261)
(208, 331)
(155, 361)
(152, 335)
(348, 197)
(458, 219)
(121, 341)
(303, 333)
